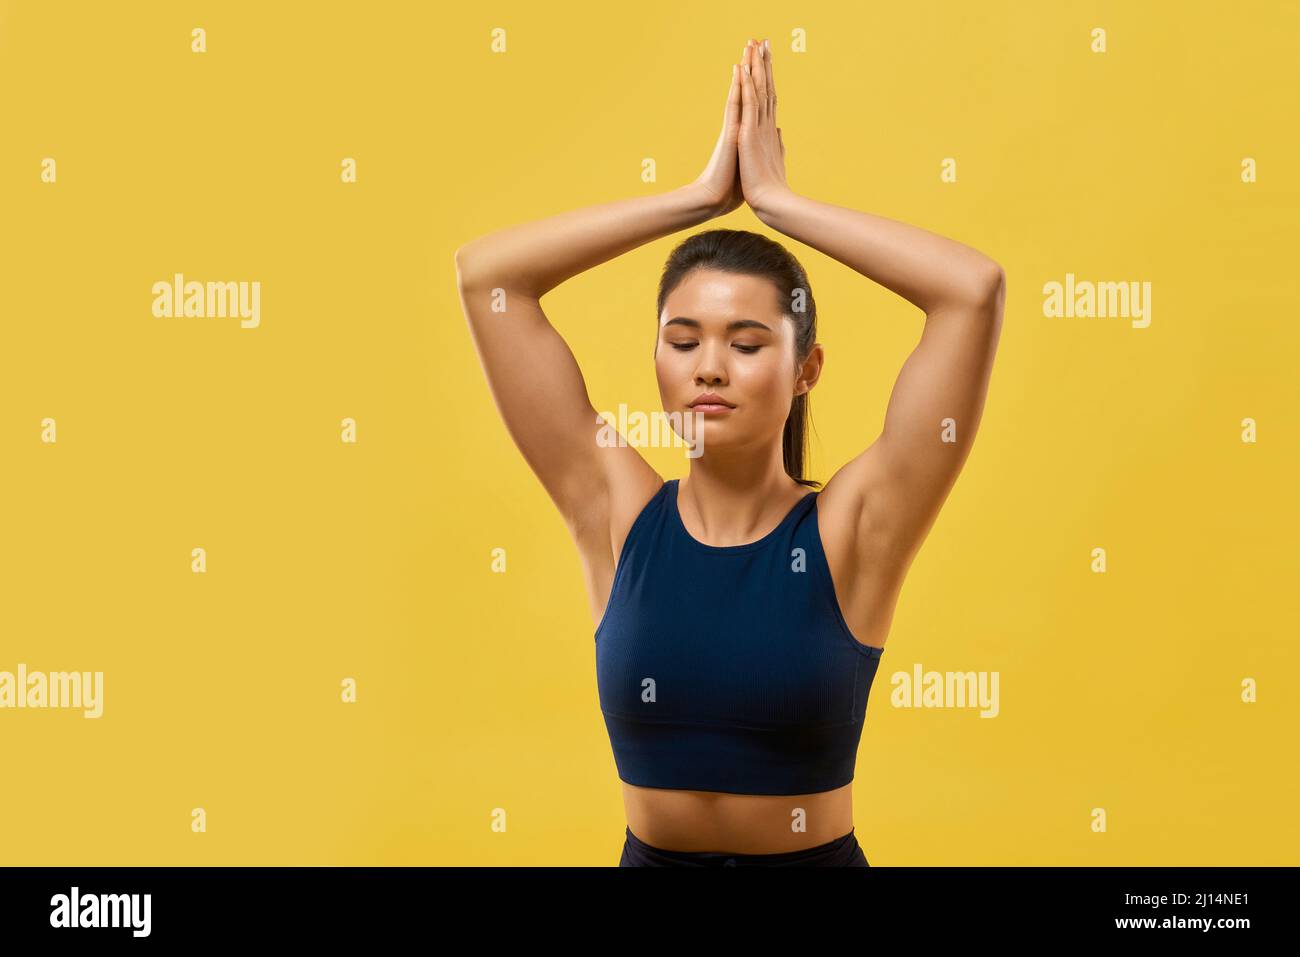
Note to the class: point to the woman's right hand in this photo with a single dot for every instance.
(720, 181)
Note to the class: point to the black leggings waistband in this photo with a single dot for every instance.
(844, 851)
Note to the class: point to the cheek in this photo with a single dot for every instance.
(664, 372)
(673, 368)
(764, 383)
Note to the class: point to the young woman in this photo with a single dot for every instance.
(739, 617)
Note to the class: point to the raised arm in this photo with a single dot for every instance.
(533, 376)
(899, 483)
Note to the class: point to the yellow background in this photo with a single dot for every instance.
(477, 690)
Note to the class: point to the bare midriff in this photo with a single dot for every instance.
(737, 823)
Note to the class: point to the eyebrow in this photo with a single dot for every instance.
(735, 324)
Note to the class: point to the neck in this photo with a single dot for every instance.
(737, 498)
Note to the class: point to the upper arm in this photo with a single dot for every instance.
(898, 485)
(539, 391)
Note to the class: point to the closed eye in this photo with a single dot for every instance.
(688, 346)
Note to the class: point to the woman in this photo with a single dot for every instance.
(740, 618)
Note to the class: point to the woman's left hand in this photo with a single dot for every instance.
(762, 154)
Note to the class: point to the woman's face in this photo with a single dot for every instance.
(725, 333)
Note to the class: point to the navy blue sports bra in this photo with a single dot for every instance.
(730, 668)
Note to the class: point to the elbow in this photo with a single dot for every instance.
(979, 287)
(990, 288)
(478, 270)
(464, 268)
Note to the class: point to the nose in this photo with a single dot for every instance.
(711, 369)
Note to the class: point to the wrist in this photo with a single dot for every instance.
(699, 202)
(772, 204)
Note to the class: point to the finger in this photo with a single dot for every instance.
(760, 76)
(780, 142)
(748, 102)
(731, 115)
(767, 64)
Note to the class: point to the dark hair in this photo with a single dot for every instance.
(746, 253)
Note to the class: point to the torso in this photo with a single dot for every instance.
(683, 820)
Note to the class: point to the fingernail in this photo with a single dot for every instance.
(746, 69)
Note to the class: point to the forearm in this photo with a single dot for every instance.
(537, 256)
(924, 268)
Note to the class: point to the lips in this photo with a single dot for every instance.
(711, 402)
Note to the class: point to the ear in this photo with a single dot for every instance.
(811, 370)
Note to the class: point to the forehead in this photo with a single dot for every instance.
(711, 294)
